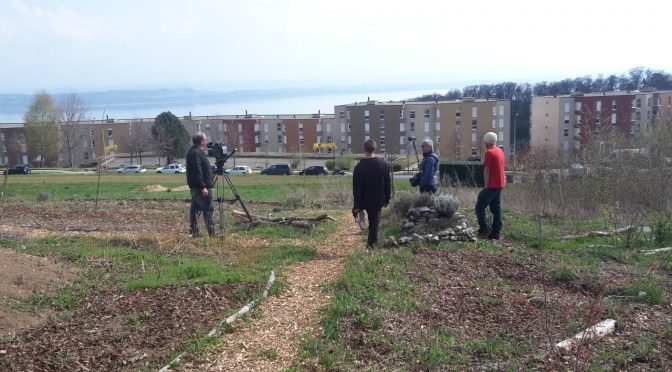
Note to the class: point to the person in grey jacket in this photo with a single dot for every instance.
(429, 167)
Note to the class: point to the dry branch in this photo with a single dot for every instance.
(656, 251)
(301, 222)
(622, 230)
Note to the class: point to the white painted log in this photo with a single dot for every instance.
(599, 330)
(656, 251)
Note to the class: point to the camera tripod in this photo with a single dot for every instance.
(219, 163)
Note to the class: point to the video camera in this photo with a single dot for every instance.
(415, 180)
(218, 151)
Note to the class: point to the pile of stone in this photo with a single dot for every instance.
(418, 223)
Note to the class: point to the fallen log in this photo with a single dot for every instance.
(656, 251)
(599, 330)
(300, 222)
(620, 231)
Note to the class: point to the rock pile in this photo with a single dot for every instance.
(421, 220)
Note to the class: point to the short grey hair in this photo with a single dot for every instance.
(197, 138)
(429, 143)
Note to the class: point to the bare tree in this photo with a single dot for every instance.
(140, 140)
(70, 111)
(16, 144)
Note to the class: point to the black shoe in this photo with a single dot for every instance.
(492, 236)
(483, 235)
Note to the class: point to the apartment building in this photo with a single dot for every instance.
(564, 124)
(456, 127)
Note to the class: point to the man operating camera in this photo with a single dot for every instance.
(199, 179)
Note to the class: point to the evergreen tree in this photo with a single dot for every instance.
(170, 136)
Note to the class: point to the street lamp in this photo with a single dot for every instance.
(515, 125)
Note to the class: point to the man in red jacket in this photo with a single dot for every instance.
(490, 196)
(371, 189)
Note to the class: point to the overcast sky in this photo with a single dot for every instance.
(83, 45)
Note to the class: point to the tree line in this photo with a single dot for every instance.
(520, 94)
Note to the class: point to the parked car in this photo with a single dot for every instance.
(239, 169)
(315, 170)
(18, 169)
(132, 169)
(278, 169)
(172, 168)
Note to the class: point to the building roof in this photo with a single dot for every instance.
(609, 93)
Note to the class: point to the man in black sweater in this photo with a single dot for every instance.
(199, 179)
(371, 188)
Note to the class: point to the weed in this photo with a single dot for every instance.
(10, 339)
(270, 354)
(564, 275)
(43, 196)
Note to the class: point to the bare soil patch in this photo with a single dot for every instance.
(152, 188)
(21, 276)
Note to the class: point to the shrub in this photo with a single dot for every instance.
(44, 195)
(330, 164)
(662, 227)
(446, 204)
(396, 167)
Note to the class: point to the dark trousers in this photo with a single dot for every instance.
(201, 204)
(489, 198)
(374, 223)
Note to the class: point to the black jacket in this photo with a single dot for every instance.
(371, 184)
(199, 174)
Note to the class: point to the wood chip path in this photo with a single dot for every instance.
(272, 342)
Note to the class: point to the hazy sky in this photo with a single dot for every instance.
(74, 45)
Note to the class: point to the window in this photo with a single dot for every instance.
(494, 123)
(318, 127)
(458, 112)
(578, 119)
(207, 126)
(366, 113)
(349, 127)
(566, 119)
(341, 115)
(500, 136)
(93, 144)
(329, 127)
(597, 120)
(598, 106)
(109, 131)
(427, 113)
(382, 115)
(578, 106)
(566, 132)
(280, 138)
(501, 110)
(278, 127)
(474, 139)
(342, 127)
(91, 132)
(437, 126)
(240, 127)
(566, 106)
(382, 140)
(638, 103)
(494, 110)
(412, 114)
(329, 139)
(438, 139)
(613, 118)
(300, 127)
(412, 126)
(438, 113)
(638, 115)
(614, 105)
(256, 127)
(474, 125)
(501, 122)
(426, 127)
(402, 127)
(402, 140)
(401, 114)
(257, 139)
(474, 111)
(473, 151)
(86, 155)
(366, 126)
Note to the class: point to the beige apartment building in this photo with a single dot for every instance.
(455, 127)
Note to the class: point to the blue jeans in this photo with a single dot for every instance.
(204, 204)
(489, 198)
